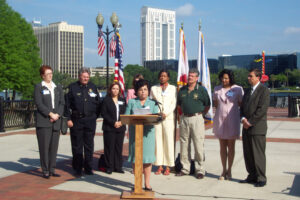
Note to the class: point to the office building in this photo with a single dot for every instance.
(157, 34)
(102, 71)
(274, 64)
(61, 46)
(157, 65)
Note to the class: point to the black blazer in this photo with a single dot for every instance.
(254, 108)
(44, 105)
(108, 112)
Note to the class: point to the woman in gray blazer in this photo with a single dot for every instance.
(49, 100)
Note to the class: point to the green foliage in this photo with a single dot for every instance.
(241, 77)
(214, 79)
(152, 76)
(19, 53)
(62, 79)
(294, 77)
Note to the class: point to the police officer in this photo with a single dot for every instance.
(82, 110)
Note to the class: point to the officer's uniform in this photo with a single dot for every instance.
(192, 104)
(83, 108)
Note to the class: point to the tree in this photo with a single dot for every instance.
(19, 53)
(281, 78)
(273, 78)
(287, 71)
(241, 77)
(62, 79)
(295, 77)
(214, 79)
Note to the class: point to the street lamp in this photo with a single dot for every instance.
(115, 23)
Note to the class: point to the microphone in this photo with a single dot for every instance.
(160, 114)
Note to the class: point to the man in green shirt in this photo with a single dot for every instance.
(194, 102)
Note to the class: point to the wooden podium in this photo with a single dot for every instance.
(139, 121)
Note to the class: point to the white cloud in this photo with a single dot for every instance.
(90, 51)
(185, 10)
(292, 30)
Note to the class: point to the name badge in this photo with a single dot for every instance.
(230, 93)
(92, 94)
(45, 92)
(120, 102)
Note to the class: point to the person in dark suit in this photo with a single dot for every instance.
(254, 109)
(113, 130)
(82, 109)
(49, 100)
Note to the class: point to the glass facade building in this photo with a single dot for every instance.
(274, 64)
(157, 65)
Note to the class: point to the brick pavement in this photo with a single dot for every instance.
(29, 185)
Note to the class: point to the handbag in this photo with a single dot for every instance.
(64, 125)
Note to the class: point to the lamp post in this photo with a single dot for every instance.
(115, 23)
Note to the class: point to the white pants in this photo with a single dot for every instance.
(164, 143)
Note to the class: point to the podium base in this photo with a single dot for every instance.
(133, 195)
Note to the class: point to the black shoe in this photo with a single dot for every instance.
(108, 171)
(78, 173)
(119, 171)
(147, 189)
(200, 176)
(260, 184)
(180, 174)
(247, 181)
(46, 176)
(54, 175)
(89, 172)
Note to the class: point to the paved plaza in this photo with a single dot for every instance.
(20, 174)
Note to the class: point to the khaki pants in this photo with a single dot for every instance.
(192, 128)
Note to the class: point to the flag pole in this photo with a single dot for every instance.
(176, 110)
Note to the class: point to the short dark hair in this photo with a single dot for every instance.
(163, 71)
(137, 76)
(230, 75)
(257, 72)
(194, 70)
(141, 83)
(43, 68)
(111, 86)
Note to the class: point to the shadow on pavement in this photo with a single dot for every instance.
(294, 189)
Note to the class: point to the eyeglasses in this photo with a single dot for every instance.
(48, 74)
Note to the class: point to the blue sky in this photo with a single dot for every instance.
(231, 27)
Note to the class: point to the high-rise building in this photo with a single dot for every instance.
(157, 34)
(61, 46)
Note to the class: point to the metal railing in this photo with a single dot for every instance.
(18, 113)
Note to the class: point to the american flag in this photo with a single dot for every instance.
(119, 77)
(112, 46)
(101, 44)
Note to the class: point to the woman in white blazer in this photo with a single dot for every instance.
(165, 95)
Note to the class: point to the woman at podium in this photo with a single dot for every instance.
(143, 104)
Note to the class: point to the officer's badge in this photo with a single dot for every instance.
(90, 90)
(78, 94)
(195, 96)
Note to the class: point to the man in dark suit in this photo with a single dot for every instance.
(254, 119)
(82, 110)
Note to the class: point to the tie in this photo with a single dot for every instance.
(251, 90)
